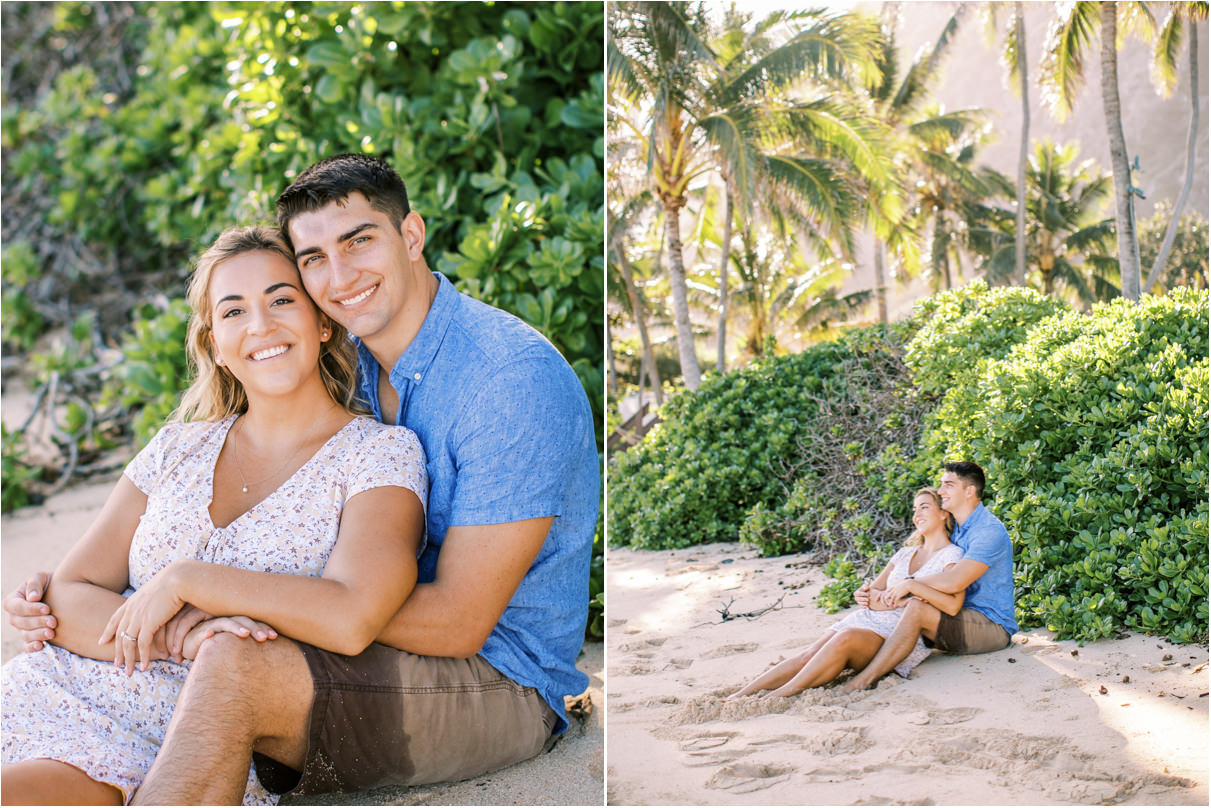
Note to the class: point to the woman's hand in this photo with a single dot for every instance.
(862, 595)
(238, 625)
(894, 595)
(136, 623)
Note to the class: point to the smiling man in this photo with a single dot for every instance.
(471, 673)
(986, 621)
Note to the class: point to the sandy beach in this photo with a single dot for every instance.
(570, 774)
(1043, 722)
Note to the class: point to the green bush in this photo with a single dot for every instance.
(16, 472)
(737, 444)
(155, 367)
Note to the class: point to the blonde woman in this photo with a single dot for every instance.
(852, 642)
(268, 505)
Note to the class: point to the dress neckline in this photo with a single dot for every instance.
(221, 441)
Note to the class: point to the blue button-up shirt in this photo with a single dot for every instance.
(508, 435)
(983, 538)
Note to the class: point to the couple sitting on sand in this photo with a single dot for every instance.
(429, 581)
(951, 588)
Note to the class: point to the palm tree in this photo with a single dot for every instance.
(1013, 54)
(700, 113)
(898, 100)
(950, 189)
(1070, 36)
(1069, 242)
(782, 287)
(1183, 18)
(621, 213)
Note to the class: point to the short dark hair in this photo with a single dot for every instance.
(968, 472)
(334, 178)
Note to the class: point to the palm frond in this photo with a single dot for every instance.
(1068, 39)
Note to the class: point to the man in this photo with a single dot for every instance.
(488, 640)
(986, 621)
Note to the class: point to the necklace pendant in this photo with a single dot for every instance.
(244, 489)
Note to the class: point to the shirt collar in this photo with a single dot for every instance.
(413, 364)
(974, 517)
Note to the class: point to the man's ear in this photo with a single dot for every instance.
(412, 228)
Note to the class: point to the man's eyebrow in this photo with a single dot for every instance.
(342, 238)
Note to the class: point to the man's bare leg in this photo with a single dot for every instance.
(919, 619)
(239, 696)
(51, 782)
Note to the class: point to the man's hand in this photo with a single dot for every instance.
(29, 615)
(862, 595)
(894, 596)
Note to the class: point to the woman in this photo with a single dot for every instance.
(853, 642)
(268, 499)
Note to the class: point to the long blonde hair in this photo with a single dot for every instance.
(948, 524)
(215, 393)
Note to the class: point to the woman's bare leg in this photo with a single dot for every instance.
(852, 648)
(50, 782)
(781, 673)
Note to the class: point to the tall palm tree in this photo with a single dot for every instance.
(696, 113)
(1013, 55)
(899, 100)
(1069, 38)
(622, 212)
(1182, 20)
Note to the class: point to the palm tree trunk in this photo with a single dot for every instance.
(649, 358)
(1191, 143)
(681, 307)
(1128, 251)
(1019, 265)
(721, 358)
(880, 282)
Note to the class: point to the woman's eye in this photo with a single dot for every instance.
(231, 312)
(282, 301)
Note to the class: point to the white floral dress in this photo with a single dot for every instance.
(89, 714)
(884, 622)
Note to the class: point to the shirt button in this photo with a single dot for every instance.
(416, 376)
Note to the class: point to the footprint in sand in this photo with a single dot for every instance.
(701, 742)
(843, 741)
(640, 645)
(954, 715)
(615, 622)
(730, 650)
(745, 778)
(678, 664)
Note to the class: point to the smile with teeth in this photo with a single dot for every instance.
(353, 301)
(269, 353)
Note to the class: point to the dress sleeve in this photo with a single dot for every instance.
(951, 555)
(390, 456)
(148, 467)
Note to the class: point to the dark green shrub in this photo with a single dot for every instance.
(736, 445)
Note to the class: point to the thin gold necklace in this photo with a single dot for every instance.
(239, 466)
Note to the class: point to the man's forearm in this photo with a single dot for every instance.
(431, 623)
(946, 582)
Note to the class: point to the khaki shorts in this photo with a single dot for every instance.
(969, 632)
(387, 717)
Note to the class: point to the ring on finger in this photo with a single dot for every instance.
(126, 636)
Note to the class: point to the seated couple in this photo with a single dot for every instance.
(957, 597)
(316, 598)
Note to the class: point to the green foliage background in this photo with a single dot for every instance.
(1092, 428)
(202, 112)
